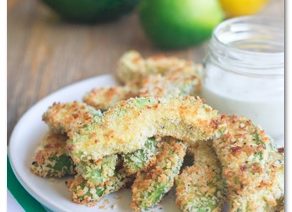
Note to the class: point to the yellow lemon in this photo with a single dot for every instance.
(242, 7)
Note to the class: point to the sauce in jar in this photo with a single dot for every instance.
(244, 72)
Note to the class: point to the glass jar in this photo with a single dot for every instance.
(244, 72)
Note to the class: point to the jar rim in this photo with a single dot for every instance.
(243, 59)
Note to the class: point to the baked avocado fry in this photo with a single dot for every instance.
(63, 118)
(70, 117)
(150, 186)
(185, 118)
(140, 159)
(89, 194)
(51, 158)
(177, 82)
(175, 78)
(200, 187)
(254, 177)
(133, 68)
(155, 76)
(98, 171)
(103, 98)
(268, 195)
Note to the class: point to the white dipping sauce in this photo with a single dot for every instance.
(259, 99)
(244, 72)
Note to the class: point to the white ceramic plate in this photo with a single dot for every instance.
(53, 193)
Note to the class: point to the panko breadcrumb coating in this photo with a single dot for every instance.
(125, 127)
(89, 194)
(103, 98)
(71, 117)
(157, 76)
(51, 158)
(130, 67)
(254, 177)
(201, 187)
(150, 186)
(176, 82)
(63, 118)
(142, 158)
(269, 193)
(133, 68)
(103, 168)
(98, 171)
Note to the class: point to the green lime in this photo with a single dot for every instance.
(91, 10)
(179, 23)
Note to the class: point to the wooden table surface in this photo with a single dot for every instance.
(45, 54)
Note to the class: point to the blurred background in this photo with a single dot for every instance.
(53, 43)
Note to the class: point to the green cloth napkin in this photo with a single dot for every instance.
(27, 202)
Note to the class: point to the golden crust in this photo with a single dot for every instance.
(268, 194)
(185, 118)
(177, 82)
(63, 118)
(52, 144)
(98, 171)
(152, 184)
(243, 151)
(246, 152)
(103, 98)
(141, 159)
(133, 68)
(200, 187)
(85, 193)
(51, 158)
(130, 67)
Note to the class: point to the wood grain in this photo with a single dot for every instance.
(45, 54)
